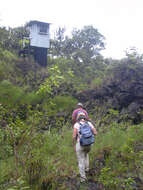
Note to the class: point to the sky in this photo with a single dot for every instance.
(119, 21)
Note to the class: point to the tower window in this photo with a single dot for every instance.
(43, 29)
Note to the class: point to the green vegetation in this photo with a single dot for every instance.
(36, 104)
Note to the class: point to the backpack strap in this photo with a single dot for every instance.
(80, 127)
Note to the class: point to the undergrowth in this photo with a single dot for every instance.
(47, 159)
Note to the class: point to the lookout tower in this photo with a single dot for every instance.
(39, 40)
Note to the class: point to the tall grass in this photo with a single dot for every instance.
(47, 159)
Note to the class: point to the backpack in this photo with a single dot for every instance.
(79, 113)
(86, 134)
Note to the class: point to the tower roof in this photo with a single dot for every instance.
(37, 22)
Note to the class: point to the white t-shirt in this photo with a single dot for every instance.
(77, 126)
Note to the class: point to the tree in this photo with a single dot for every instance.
(87, 43)
(83, 45)
(57, 42)
(10, 38)
(133, 56)
(4, 34)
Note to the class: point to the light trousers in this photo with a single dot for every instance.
(83, 159)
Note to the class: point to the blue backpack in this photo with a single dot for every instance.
(87, 136)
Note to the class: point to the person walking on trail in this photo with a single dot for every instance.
(77, 112)
(82, 150)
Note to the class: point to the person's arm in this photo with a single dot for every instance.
(93, 128)
(94, 131)
(74, 137)
(87, 117)
(73, 118)
(73, 122)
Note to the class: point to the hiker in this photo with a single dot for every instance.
(79, 110)
(80, 148)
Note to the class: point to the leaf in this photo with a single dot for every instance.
(25, 188)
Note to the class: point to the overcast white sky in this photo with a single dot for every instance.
(120, 21)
